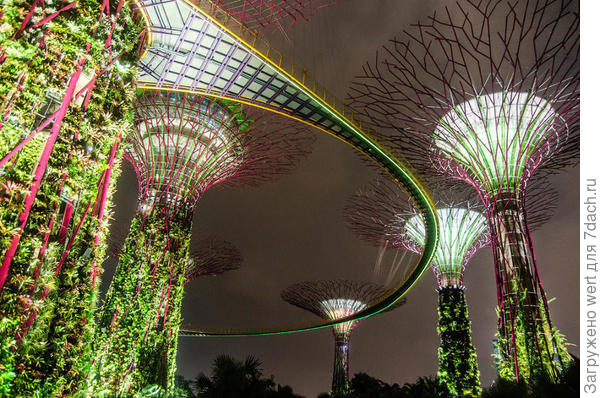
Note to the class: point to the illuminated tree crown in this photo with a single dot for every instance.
(496, 138)
(184, 144)
(486, 92)
(462, 233)
(333, 299)
(382, 214)
(341, 308)
(336, 299)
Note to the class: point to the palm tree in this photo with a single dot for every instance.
(231, 378)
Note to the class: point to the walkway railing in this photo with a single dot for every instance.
(258, 43)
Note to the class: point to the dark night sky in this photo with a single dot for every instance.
(292, 230)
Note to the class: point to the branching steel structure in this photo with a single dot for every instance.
(199, 48)
(268, 16)
(183, 145)
(212, 257)
(383, 215)
(488, 92)
(335, 299)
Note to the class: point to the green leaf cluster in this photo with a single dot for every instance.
(55, 354)
(139, 323)
(458, 369)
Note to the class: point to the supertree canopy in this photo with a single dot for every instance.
(383, 215)
(336, 299)
(66, 74)
(212, 257)
(185, 144)
(182, 145)
(488, 93)
(267, 16)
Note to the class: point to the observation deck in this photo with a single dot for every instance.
(196, 47)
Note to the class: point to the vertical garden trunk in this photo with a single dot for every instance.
(52, 222)
(528, 345)
(339, 384)
(458, 369)
(140, 320)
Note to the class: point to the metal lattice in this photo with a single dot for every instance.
(383, 215)
(184, 144)
(211, 257)
(333, 299)
(270, 16)
(199, 48)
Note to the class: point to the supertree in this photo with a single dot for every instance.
(182, 145)
(272, 15)
(336, 299)
(383, 215)
(488, 92)
(211, 256)
(65, 88)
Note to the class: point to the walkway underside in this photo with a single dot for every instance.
(197, 48)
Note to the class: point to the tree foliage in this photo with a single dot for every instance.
(458, 369)
(51, 285)
(138, 327)
(232, 378)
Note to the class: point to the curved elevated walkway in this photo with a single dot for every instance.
(198, 48)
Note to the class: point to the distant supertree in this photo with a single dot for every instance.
(183, 145)
(488, 92)
(211, 256)
(268, 16)
(383, 215)
(336, 299)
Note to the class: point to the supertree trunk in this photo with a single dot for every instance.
(458, 369)
(340, 385)
(138, 328)
(528, 344)
(64, 106)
